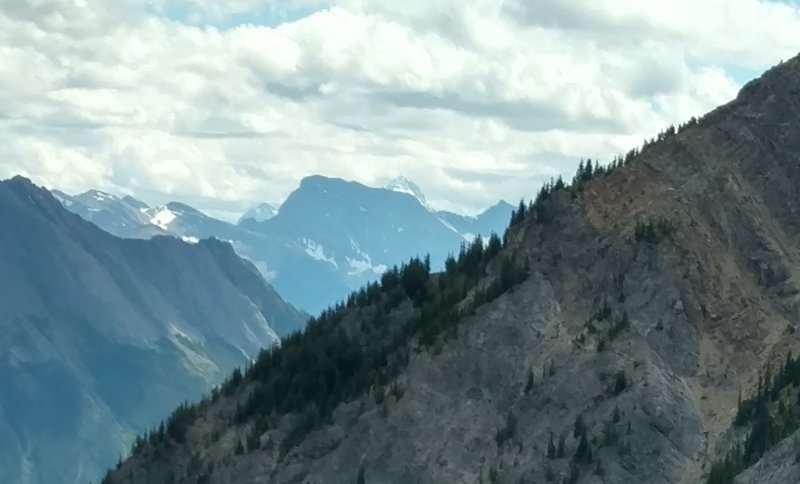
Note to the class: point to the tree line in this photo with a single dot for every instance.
(772, 413)
(318, 368)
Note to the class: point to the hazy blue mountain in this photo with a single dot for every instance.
(494, 219)
(329, 237)
(100, 337)
(352, 233)
(358, 228)
(260, 213)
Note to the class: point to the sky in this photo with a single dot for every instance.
(225, 104)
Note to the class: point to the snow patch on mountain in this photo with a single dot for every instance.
(359, 267)
(174, 331)
(316, 251)
(102, 196)
(163, 217)
(190, 240)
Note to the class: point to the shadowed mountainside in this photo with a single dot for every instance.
(100, 336)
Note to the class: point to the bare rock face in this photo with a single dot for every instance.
(655, 295)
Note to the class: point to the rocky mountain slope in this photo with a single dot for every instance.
(329, 237)
(101, 336)
(658, 299)
(123, 217)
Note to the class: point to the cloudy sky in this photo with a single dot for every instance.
(224, 103)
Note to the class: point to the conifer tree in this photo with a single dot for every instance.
(530, 382)
(579, 427)
(583, 454)
(551, 448)
(579, 174)
(589, 173)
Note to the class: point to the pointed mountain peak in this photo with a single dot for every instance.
(404, 185)
(500, 206)
(260, 213)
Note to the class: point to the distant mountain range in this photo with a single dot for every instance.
(101, 336)
(328, 238)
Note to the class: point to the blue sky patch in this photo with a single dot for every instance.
(187, 13)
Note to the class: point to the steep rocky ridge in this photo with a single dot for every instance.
(656, 294)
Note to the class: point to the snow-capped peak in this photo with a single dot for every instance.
(404, 185)
(260, 213)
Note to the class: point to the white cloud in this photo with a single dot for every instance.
(474, 100)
